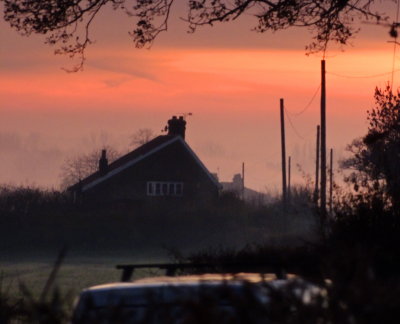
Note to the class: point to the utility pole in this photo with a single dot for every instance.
(316, 191)
(331, 183)
(243, 181)
(289, 179)
(323, 145)
(283, 152)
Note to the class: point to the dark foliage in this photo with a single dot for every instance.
(374, 165)
(34, 220)
(364, 239)
(66, 23)
(281, 260)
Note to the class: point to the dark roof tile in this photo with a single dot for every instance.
(141, 150)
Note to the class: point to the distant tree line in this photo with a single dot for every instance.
(34, 220)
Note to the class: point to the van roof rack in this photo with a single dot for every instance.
(172, 268)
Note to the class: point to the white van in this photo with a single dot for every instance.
(208, 298)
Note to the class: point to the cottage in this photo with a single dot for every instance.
(165, 168)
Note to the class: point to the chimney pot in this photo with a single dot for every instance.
(103, 163)
(177, 127)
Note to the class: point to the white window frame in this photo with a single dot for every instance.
(156, 188)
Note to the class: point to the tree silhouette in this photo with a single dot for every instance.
(142, 136)
(376, 156)
(66, 23)
(79, 167)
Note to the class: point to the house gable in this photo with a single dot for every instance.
(130, 163)
(164, 168)
(126, 165)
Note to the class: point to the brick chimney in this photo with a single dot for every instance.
(103, 163)
(177, 126)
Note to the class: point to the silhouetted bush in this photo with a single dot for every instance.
(34, 220)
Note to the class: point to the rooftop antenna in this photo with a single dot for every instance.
(186, 114)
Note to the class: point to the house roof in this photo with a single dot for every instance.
(134, 157)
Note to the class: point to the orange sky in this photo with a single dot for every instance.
(232, 91)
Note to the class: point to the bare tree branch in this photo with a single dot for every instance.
(67, 23)
(79, 167)
(142, 136)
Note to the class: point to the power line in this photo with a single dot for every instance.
(294, 128)
(309, 103)
(362, 76)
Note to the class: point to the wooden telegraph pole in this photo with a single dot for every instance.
(289, 178)
(243, 181)
(283, 153)
(316, 191)
(331, 183)
(323, 145)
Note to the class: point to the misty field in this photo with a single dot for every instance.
(74, 274)
(35, 225)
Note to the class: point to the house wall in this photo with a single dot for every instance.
(171, 164)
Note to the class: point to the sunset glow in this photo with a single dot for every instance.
(233, 94)
(182, 74)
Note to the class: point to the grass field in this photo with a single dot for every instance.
(87, 268)
(76, 272)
